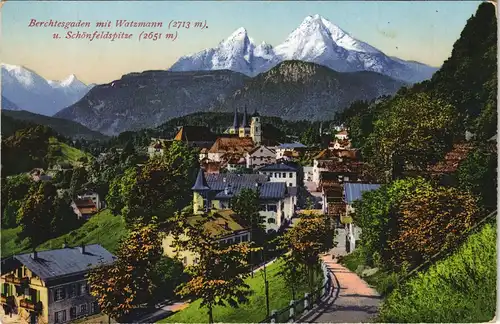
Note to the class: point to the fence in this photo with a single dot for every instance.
(297, 308)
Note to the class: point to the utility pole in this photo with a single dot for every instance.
(266, 284)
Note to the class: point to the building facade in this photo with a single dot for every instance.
(49, 286)
(215, 192)
(224, 226)
(260, 156)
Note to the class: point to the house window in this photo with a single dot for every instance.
(271, 221)
(237, 239)
(94, 308)
(59, 294)
(284, 175)
(72, 312)
(230, 241)
(72, 290)
(290, 175)
(83, 309)
(263, 207)
(275, 174)
(244, 238)
(272, 208)
(60, 317)
(84, 289)
(185, 260)
(290, 184)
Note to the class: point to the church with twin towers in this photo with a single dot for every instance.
(246, 129)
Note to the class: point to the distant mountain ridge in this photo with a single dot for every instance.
(26, 90)
(316, 40)
(293, 90)
(67, 128)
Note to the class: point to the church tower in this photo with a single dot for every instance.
(234, 128)
(256, 128)
(244, 127)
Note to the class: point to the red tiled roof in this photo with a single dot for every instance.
(452, 159)
(232, 145)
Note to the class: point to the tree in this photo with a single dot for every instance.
(477, 174)
(430, 221)
(247, 205)
(64, 218)
(306, 241)
(120, 188)
(311, 137)
(128, 283)
(376, 214)
(169, 273)
(14, 190)
(35, 214)
(293, 274)
(218, 278)
(413, 131)
(78, 179)
(163, 185)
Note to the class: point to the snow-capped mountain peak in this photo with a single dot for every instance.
(29, 91)
(315, 40)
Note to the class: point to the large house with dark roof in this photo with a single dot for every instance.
(196, 136)
(215, 192)
(50, 286)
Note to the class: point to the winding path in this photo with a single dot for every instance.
(352, 300)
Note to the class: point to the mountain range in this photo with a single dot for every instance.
(318, 70)
(292, 90)
(316, 40)
(23, 89)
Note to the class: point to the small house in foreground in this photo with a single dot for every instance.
(50, 286)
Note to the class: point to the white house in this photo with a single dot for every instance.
(342, 135)
(259, 156)
(216, 191)
(287, 147)
(353, 192)
(94, 196)
(280, 173)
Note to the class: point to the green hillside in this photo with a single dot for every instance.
(64, 127)
(103, 228)
(65, 153)
(458, 289)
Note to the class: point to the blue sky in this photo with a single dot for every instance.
(422, 31)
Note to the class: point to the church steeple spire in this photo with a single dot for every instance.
(235, 122)
(244, 122)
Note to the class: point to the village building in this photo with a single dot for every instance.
(196, 136)
(229, 145)
(281, 172)
(352, 193)
(328, 160)
(158, 146)
(340, 144)
(49, 287)
(342, 135)
(216, 191)
(92, 195)
(259, 156)
(287, 147)
(39, 175)
(224, 226)
(84, 208)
